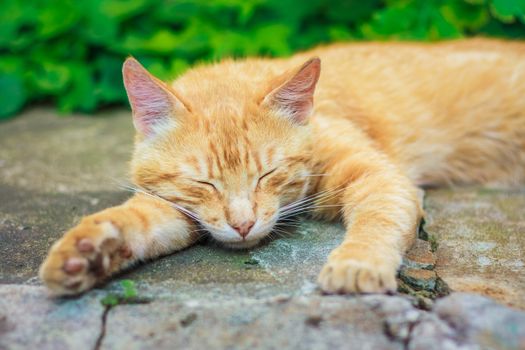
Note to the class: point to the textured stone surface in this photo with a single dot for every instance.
(481, 240)
(481, 321)
(420, 256)
(31, 320)
(419, 279)
(44, 152)
(55, 170)
(300, 323)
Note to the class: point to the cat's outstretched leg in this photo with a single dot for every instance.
(108, 241)
(381, 210)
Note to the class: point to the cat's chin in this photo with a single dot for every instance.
(241, 244)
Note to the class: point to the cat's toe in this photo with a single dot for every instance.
(81, 259)
(66, 274)
(75, 265)
(352, 276)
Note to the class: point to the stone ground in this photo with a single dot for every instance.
(55, 169)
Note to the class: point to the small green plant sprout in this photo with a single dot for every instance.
(128, 295)
(110, 300)
(130, 291)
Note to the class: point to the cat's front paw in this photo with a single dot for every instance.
(84, 256)
(354, 276)
(354, 269)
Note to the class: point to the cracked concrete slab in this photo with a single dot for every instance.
(313, 322)
(29, 319)
(481, 321)
(481, 240)
(54, 170)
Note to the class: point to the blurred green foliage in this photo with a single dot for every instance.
(70, 52)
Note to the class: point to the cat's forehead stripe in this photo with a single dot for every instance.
(209, 168)
(193, 162)
(246, 157)
(257, 161)
(269, 154)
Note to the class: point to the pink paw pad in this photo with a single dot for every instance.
(74, 265)
(125, 252)
(85, 245)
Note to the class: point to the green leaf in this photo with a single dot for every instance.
(126, 284)
(507, 10)
(499, 29)
(12, 64)
(463, 15)
(339, 33)
(80, 95)
(271, 38)
(176, 12)
(121, 9)
(12, 16)
(50, 76)
(162, 41)
(110, 300)
(129, 289)
(441, 28)
(56, 17)
(97, 27)
(109, 88)
(13, 94)
(391, 22)
(351, 10)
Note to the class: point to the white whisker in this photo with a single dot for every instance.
(321, 196)
(307, 203)
(311, 202)
(183, 210)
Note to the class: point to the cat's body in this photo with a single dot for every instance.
(235, 147)
(447, 113)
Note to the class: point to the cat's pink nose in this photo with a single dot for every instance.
(244, 228)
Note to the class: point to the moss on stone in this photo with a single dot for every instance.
(433, 243)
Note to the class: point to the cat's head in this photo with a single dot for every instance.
(231, 152)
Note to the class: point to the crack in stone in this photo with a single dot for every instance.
(102, 333)
(395, 330)
(427, 327)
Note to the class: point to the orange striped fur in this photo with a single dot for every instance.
(232, 147)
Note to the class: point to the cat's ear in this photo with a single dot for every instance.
(154, 104)
(294, 98)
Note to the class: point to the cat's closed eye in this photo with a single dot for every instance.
(266, 175)
(206, 183)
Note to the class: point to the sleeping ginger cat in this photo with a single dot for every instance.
(234, 147)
